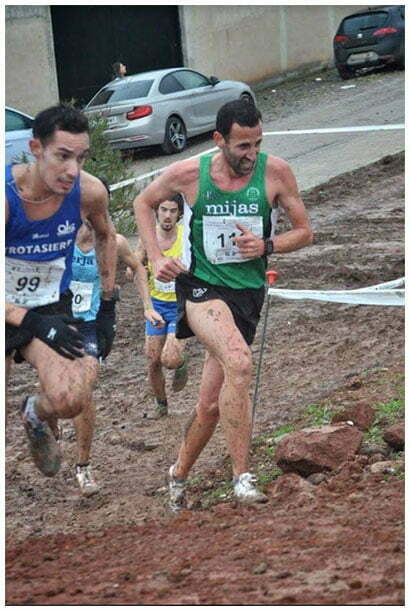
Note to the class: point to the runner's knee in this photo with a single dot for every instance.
(171, 359)
(239, 366)
(208, 410)
(68, 404)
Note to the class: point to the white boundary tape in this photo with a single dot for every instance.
(294, 132)
(386, 294)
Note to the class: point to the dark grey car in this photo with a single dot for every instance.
(370, 38)
(163, 107)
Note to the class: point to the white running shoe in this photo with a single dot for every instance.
(85, 480)
(245, 491)
(176, 491)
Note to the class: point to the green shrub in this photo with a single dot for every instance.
(107, 163)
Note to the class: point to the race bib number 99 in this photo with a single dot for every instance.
(219, 231)
(30, 284)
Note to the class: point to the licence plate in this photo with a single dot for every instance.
(112, 121)
(360, 58)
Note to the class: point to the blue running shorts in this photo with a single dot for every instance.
(168, 311)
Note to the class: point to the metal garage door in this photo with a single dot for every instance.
(88, 39)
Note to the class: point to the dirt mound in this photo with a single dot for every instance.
(340, 542)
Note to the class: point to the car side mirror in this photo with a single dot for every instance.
(214, 80)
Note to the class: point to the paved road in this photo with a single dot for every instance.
(318, 157)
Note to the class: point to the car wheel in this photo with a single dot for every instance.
(175, 136)
(344, 72)
(246, 97)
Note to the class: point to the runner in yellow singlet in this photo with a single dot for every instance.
(160, 308)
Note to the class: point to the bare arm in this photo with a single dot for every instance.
(94, 204)
(135, 260)
(289, 199)
(14, 314)
(282, 187)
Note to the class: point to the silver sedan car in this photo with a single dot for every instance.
(164, 107)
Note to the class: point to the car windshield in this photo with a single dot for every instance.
(119, 93)
(352, 25)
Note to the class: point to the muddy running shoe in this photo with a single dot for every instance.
(180, 376)
(245, 491)
(43, 446)
(176, 491)
(85, 480)
(55, 427)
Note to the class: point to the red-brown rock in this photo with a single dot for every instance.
(394, 436)
(318, 449)
(362, 415)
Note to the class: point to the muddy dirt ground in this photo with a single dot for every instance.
(338, 543)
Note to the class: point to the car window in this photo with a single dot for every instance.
(126, 91)
(190, 79)
(169, 84)
(354, 24)
(15, 121)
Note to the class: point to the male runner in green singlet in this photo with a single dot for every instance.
(232, 199)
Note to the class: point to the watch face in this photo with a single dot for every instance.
(268, 246)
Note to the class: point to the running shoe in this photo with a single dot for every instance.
(85, 480)
(161, 408)
(180, 376)
(245, 491)
(43, 445)
(176, 491)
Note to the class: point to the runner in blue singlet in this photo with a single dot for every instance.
(45, 203)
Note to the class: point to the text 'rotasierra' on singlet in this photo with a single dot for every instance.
(39, 252)
(210, 226)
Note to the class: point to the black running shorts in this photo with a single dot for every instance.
(245, 304)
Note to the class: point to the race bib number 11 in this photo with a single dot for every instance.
(219, 231)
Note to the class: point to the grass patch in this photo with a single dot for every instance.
(386, 415)
(318, 415)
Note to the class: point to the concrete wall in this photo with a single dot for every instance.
(31, 79)
(247, 42)
(254, 43)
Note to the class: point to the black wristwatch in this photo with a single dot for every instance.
(268, 247)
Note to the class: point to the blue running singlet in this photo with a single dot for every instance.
(39, 252)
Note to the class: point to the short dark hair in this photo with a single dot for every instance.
(61, 116)
(243, 112)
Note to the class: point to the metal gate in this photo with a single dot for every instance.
(88, 39)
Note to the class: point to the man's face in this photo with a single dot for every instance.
(168, 215)
(240, 149)
(60, 159)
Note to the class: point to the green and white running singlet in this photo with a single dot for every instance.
(210, 225)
